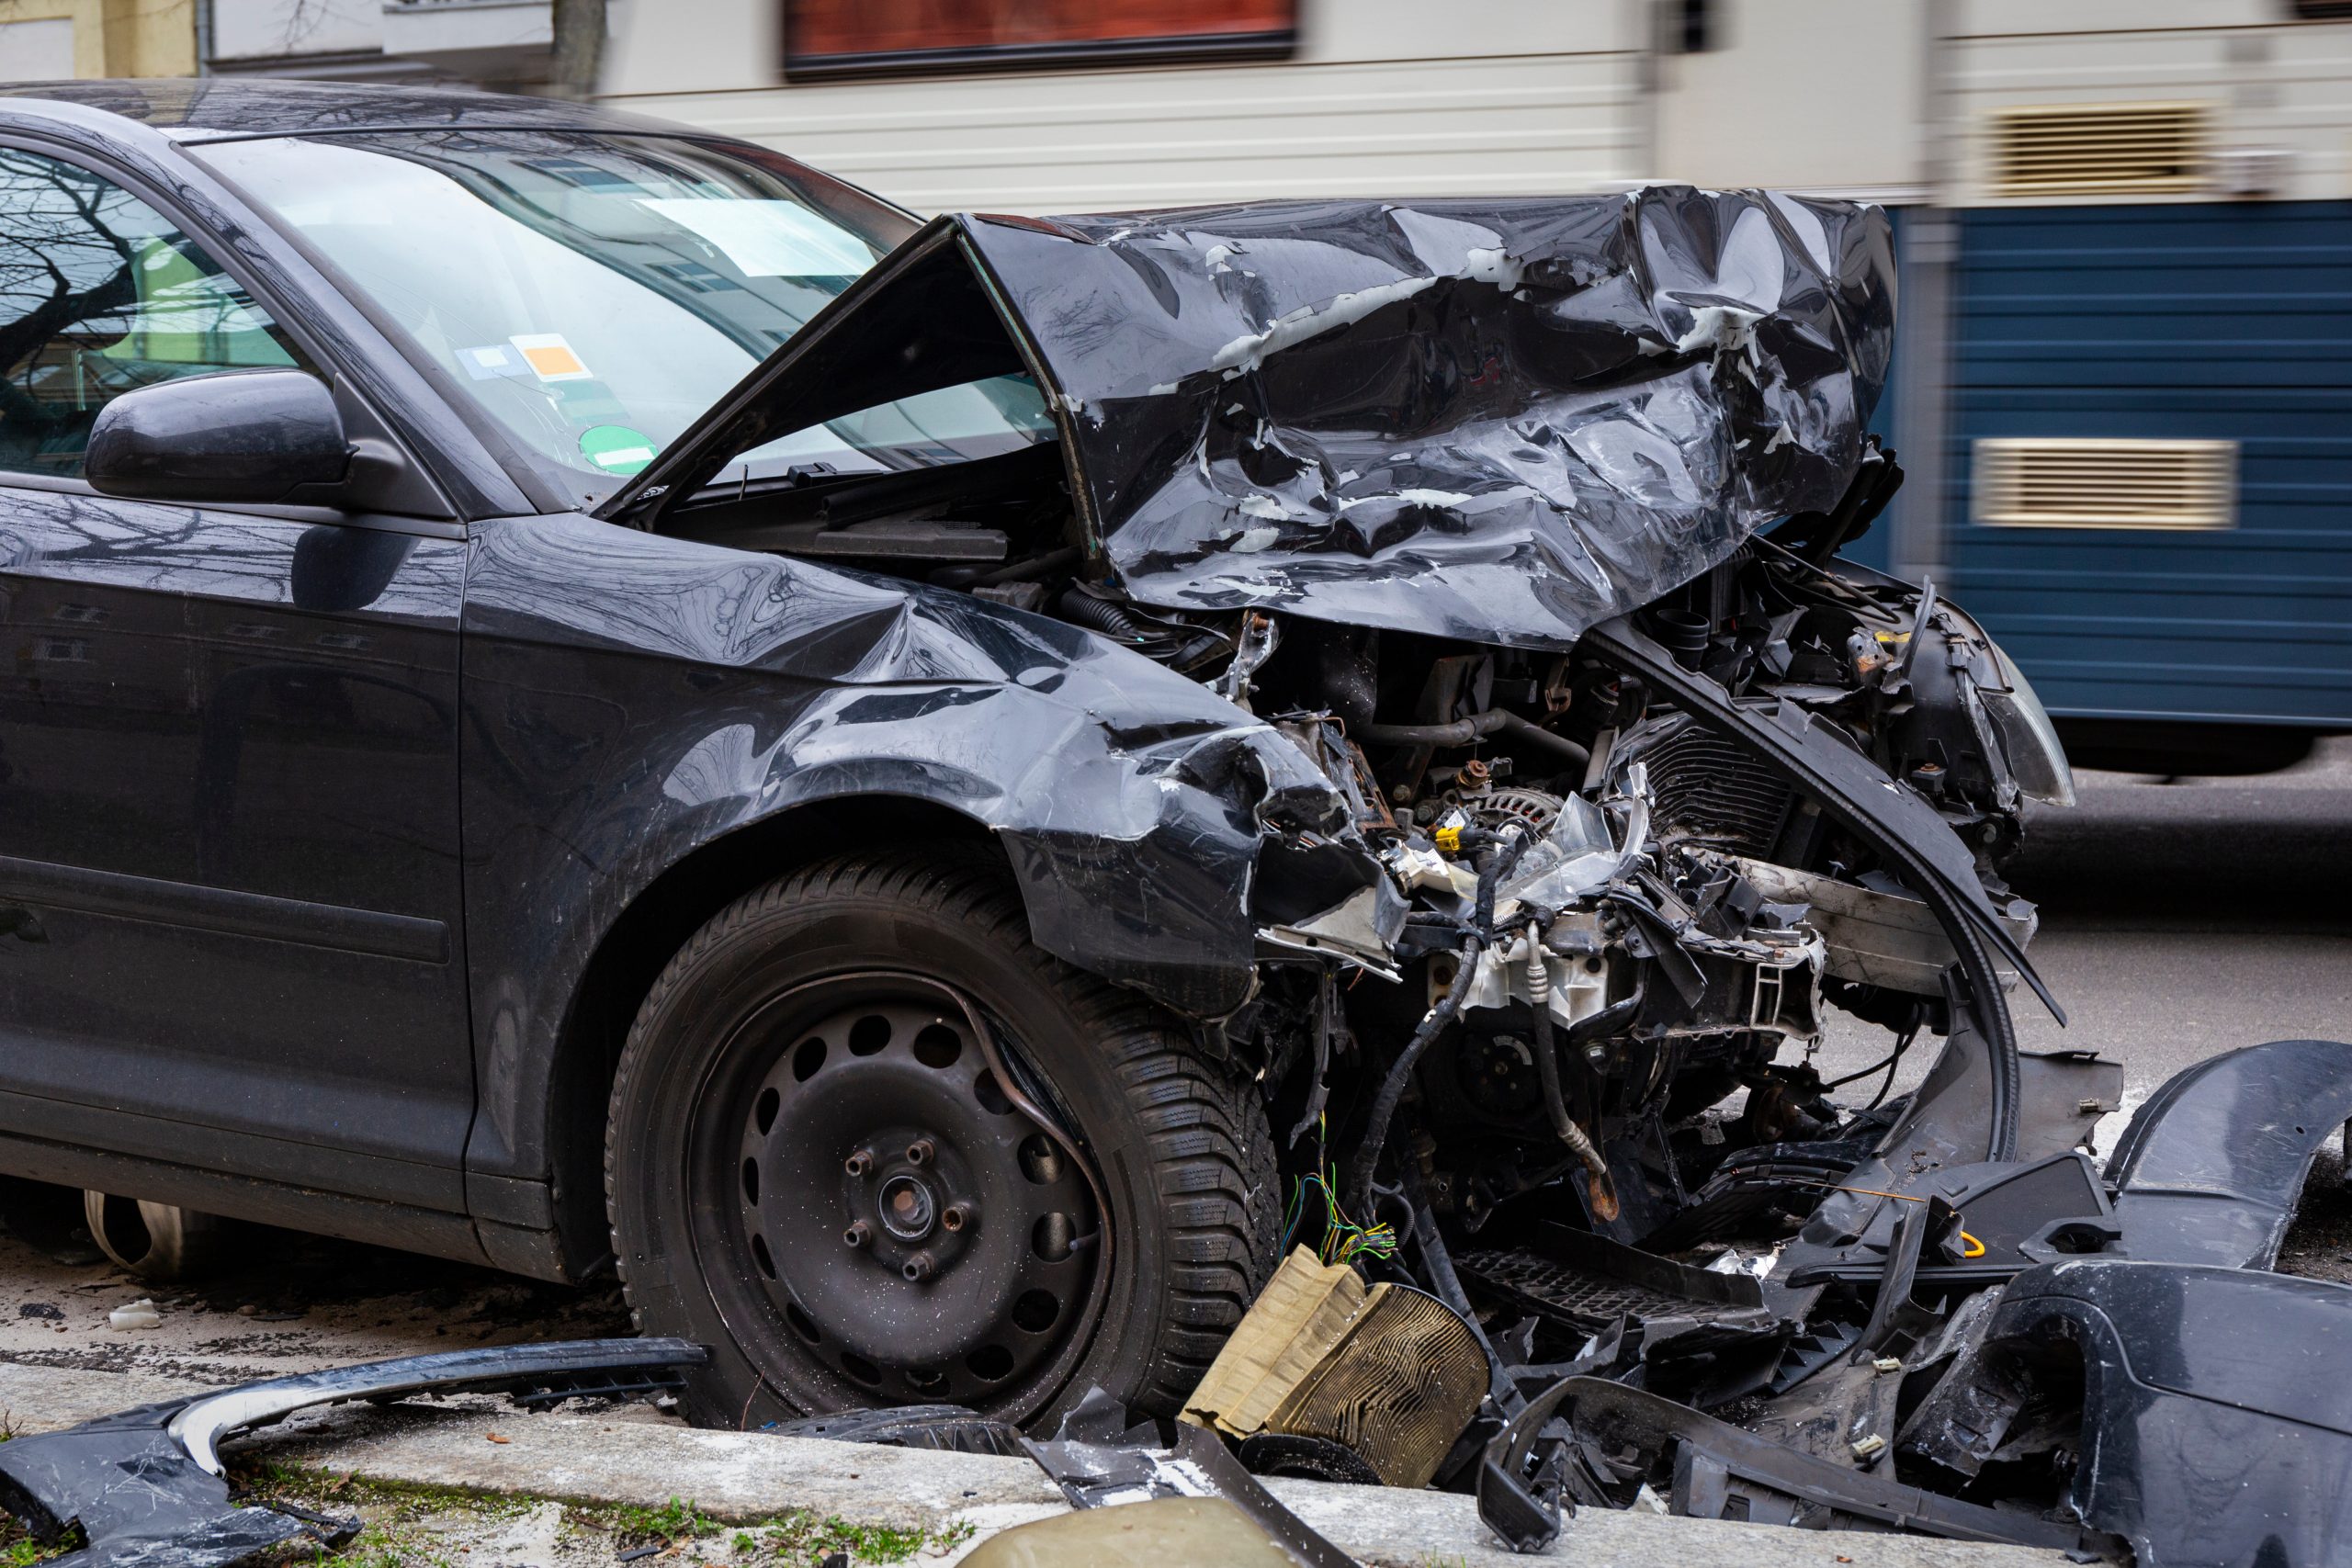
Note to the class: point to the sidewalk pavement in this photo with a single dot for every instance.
(625, 1459)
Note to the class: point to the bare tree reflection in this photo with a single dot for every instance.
(99, 294)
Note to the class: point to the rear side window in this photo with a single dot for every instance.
(99, 293)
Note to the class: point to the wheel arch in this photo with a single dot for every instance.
(650, 929)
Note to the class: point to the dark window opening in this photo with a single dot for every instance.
(1693, 27)
(839, 38)
(101, 294)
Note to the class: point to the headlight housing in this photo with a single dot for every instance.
(2037, 759)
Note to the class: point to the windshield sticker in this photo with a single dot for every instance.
(549, 358)
(768, 239)
(615, 448)
(492, 360)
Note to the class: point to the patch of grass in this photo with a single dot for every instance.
(379, 1545)
(20, 1549)
(347, 1494)
(803, 1538)
(672, 1521)
(399, 1533)
(789, 1541)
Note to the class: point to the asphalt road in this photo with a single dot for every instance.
(2179, 919)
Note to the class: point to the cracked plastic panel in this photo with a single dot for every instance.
(145, 1484)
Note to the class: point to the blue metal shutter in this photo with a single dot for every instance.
(2225, 322)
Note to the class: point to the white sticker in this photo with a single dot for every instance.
(768, 239)
(493, 359)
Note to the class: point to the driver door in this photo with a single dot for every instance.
(230, 920)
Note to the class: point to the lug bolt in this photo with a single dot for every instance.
(916, 1269)
(920, 1152)
(956, 1217)
(859, 1163)
(858, 1234)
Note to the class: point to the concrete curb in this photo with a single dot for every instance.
(744, 1476)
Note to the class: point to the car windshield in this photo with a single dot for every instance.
(596, 294)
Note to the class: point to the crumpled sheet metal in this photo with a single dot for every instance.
(145, 1484)
(1132, 801)
(1497, 419)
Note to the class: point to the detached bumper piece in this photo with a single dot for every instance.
(146, 1484)
(2031, 1351)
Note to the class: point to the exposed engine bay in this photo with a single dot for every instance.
(1603, 939)
(1618, 936)
(1378, 476)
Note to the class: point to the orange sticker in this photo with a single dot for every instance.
(549, 358)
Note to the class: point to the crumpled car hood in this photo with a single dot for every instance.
(1503, 421)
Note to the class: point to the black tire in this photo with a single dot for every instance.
(1178, 1150)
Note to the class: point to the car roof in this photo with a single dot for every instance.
(217, 107)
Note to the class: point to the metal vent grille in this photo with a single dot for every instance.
(2102, 150)
(2106, 484)
(1702, 785)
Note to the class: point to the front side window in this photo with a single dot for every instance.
(99, 294)
(595, 294)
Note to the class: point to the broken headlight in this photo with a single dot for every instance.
(2037, 760)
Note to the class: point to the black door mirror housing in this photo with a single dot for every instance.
(254, 436)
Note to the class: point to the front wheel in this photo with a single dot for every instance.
(815, 1164)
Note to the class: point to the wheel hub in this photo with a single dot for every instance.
(915, 1236)
(909, 1209)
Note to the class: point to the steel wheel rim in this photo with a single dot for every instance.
(974, 1280)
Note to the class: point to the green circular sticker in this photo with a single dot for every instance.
(615, 448)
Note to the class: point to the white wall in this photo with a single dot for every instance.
(37, 50)
(1384, 97)
(245, 29)
(1818, 96)
(2273, 83)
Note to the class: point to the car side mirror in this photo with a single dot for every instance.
(256, 436)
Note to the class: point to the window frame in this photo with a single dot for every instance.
(543, 483)
(1268, 44)
(292, 322)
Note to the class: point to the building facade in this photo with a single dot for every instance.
(494, 43)
(49, 40)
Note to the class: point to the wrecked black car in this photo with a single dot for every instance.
(583, 693)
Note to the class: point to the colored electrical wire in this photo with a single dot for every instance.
(1344, 1241)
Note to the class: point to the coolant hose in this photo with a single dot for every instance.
(1477, 726)
(1601, 1187)
(1097, 615)
(1392, 1088)
(1434, 1022)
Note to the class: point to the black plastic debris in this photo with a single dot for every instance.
(1100, 1459)
(2216, 1418)
(952, 1428)
(2210, 1169)
(1724, 1472)
(147, 1488)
